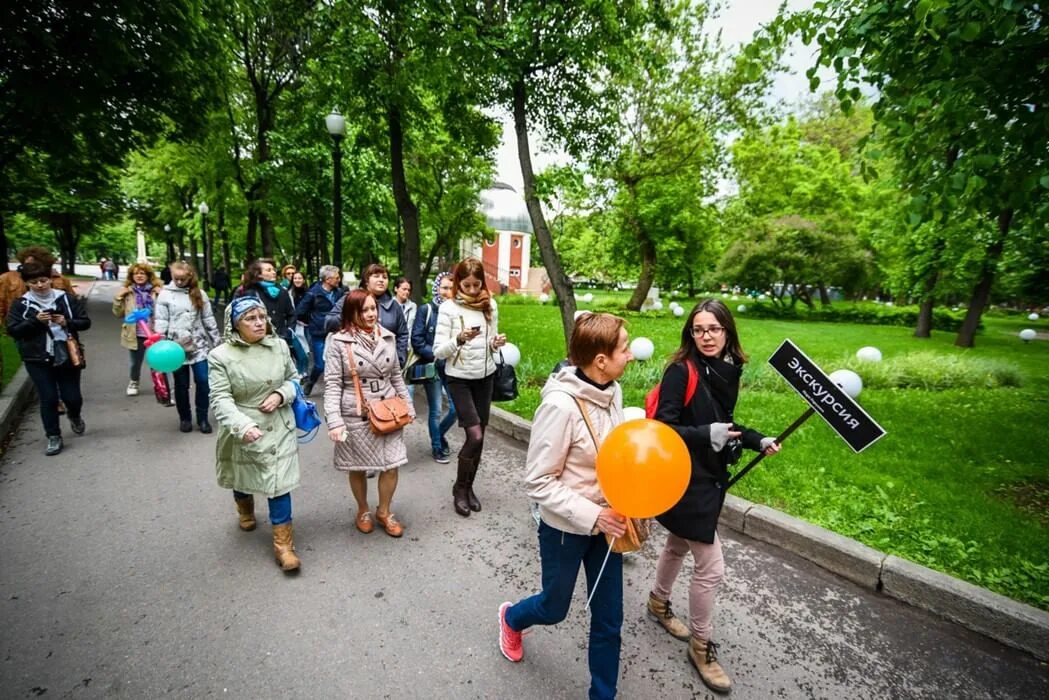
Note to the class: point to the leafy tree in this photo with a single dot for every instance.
(961, 89)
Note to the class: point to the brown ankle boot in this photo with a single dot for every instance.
(246, 512)
(660, 611)
(704, 656)
(284, 548)
(471, 497)
(460, 497)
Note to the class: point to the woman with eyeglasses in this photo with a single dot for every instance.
(183, 314)
(139, 292)
(710, 351)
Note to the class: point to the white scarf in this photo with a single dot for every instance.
(40, 302)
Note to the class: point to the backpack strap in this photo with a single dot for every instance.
(693, 381)
(586, 419)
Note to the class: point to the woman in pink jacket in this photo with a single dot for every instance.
(580, 406)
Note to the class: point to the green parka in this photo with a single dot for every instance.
(241, 375)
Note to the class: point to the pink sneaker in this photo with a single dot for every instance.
(509, 640)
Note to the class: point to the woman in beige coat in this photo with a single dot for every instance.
(357, 449)
(139, 292)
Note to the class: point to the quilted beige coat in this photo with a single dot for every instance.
(380, 378)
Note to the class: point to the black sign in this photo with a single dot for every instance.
(841, 412)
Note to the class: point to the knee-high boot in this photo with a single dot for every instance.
(471, 497)
(460, 489)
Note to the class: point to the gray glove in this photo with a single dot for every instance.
(765, 442)
(719, 435)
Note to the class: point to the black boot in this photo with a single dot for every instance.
(461, 487)
(471, 497)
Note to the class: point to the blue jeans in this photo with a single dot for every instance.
(203, 390)
(317, 347)
(280, 507)
(438, 427)
(560, 554)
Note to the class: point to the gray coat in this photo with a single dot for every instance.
(241, 375)
(174, 316)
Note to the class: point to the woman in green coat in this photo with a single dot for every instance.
(251, 376)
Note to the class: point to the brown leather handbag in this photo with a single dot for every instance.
(384, 415)
(637, 529)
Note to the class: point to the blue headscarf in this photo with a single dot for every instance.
(436, 289)
(242, 305)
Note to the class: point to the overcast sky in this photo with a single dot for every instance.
(738, 22)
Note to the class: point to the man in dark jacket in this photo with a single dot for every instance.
(220, 281)
(377, 280)
(312, 310)
(423, 332)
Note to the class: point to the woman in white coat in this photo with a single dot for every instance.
(467, 337)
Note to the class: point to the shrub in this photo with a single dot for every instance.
(865, 313)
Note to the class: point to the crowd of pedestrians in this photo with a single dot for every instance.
(281, 336)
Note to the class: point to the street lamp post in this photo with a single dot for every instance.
(203, 209)
(170, 243)
(336, 124)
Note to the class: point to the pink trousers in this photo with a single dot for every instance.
(707, 572)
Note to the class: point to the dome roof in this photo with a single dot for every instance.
(504, 209)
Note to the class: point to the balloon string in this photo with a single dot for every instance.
(598, 580)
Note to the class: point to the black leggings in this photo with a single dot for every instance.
(473, 402)
(54, 383)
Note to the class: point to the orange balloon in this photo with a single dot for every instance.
(643, 467)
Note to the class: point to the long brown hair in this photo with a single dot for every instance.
(352, 309)
(253, 273)
(724, 317)
(151, 275)
(196, 296)
(472, 267)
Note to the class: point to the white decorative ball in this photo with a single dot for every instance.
(869, 354)
(735, 297)
(633, 413)
(1028, 334)
(511, 354)
(742, 308)
(1032, 317)
(588, 297)
(543, 298)
(657, 305)
(678, 311)
(888, 303)
(763, 297)
(642, 349)
(848, 380)
(579, 313)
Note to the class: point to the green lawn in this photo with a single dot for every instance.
(961, 481)
(12, 360)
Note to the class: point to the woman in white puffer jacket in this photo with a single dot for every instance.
(183, 314)
(467, 338)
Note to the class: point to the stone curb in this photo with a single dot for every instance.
(13, 400)
(1003, 619)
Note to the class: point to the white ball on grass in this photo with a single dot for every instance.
(633, 413)
(1028, 334)
(848, 380)
(869, 354)
(511, 354)
(642, 349)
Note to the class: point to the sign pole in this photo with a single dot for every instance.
(783, 436)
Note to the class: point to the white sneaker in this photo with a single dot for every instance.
(132, 388)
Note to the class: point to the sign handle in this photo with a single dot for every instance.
(783, 436)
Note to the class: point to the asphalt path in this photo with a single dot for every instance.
(123, 574)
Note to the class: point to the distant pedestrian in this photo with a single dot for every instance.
(139, 292)
(260, 280)
(183, 314)
(165, 273)
(300, 347)
(376, 281)
(286, 273)
(252, 382)
(313, 310)
(402, 292)
(710, 343)
(423, 333)
(221, 283)
(365, 348)
(580, 405)
(41, 322)
(110, 269)
(467, 337)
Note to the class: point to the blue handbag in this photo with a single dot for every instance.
(306, 417)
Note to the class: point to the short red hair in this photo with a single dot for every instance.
(593, 335)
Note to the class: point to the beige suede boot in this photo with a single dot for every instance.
(704, 656)
(246, 512)
(660, 611)
(284, 548)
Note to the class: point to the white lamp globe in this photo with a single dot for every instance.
(1028, 334)
(633, 413)
(678, 311)
(742, 308)
(579, 313)
(642, 349)
(543, 298)
(869, 354)
(848, 380)
(511, 354)
(1032, 317)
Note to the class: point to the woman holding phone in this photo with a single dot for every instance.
(467, 338)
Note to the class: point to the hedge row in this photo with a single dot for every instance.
(845, 312)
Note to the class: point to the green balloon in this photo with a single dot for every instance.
(165, 356)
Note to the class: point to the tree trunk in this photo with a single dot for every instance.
(407, 211)
(4, 245)
(67, 243)
(924, 327)
(824, 295)
(982, 291)
(251, 240)
(551, 260)
(648, 271)
(691, 283)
